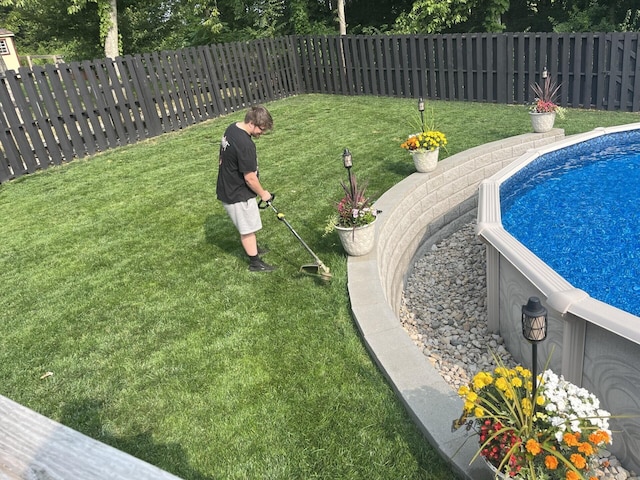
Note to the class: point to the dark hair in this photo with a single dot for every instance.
(259, 116)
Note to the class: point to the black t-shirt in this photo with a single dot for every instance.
(237, 157)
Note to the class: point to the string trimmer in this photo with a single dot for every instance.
(319, 269)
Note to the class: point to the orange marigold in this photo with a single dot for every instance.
(578, 460)
(586, 448)
(533, 447)
(571, 475)
(571, 439)
(551, 462)
(599, 437)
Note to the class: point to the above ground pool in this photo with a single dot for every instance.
(578, 210)
(562, 223)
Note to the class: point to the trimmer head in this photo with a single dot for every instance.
(318, 270)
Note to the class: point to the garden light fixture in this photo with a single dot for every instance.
(534, 329)
(421, 110)
(347, 161)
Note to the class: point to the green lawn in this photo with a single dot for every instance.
(122, 275)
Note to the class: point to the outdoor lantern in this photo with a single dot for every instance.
(534, 321)
(545, 72)
(346, 159)
(421, 110)
(534, 329)
(348, 163)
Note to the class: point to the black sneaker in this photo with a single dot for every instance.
(260, 266)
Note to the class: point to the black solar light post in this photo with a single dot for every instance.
(534, 329)
(421, 110)
(348, 163)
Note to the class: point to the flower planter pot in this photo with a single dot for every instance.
(494, 470)
(425, 161)
(542, 122)
(358, 241)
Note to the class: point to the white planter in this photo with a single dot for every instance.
(494, 470)
(358, 241)
(425, 161)
(542, 122)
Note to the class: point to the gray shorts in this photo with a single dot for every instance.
(245, 216)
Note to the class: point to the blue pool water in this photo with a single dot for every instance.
(578, 210)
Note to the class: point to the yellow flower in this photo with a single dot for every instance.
(481, 380)
(429, 140)
(479, 412)
(526, 406)
(501, 384)
(516, 382)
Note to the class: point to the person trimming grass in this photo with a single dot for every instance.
(238, 180)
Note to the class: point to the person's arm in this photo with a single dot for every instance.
(254, 184)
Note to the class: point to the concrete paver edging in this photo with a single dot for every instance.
(417, 211)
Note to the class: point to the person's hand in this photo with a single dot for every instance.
(266, 196)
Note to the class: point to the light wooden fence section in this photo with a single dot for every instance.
(32, 447)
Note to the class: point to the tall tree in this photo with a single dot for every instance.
(341, 18)
(108, 12)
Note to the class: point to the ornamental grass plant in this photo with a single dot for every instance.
(124, 277)
(547, 97)
(429, 137)
(355, 209)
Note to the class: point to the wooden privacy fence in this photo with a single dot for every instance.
(596, 70)
(55, 113)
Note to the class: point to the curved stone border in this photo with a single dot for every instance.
(414, 213)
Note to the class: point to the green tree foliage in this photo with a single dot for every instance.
(597, 15)
(442, 16)
(431, 16)
(45, 27)
(367, 17)
(77, 28)
(152, 25)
